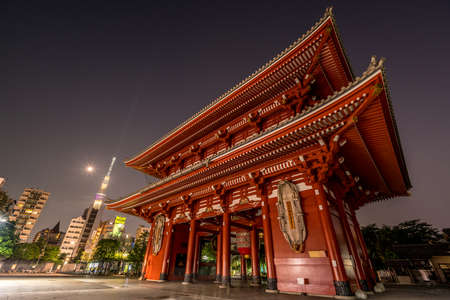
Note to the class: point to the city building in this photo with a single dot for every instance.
(27, 211)
(290, 153)
(51, 237)
(141, 230)
(103, 231)
(90, 217)
(72, 237)
(119, 226)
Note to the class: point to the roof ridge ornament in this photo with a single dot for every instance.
(374, 64)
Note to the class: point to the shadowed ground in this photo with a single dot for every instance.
(111, 288)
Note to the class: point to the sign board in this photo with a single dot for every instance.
(119, 226)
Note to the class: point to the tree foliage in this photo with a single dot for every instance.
(106, 250)
(446, 234)
(5, 203)
(78, 257)
(208, 253)
(27, 251)
(8, 240)
(51, 254)
(380, 241)
(125, 248)
(137, 254)
(379, 244)
(415, 232)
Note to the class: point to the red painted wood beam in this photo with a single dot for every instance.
(256, 279)
(219, 259)
(226, 279)
(341, 283)
(360, 274)
(268, 245)
(190, 253)
(362, 243)
(167, 253)
(196, 256)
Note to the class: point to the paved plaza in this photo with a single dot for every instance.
(110, 289)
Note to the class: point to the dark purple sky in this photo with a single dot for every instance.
(80, 83)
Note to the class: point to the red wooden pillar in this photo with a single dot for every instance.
(147, 254)
(196, 256)
(226, 279)
(341, 283)
(362, 243)
(361, 275)
(167, 251)
(190, 253)
(268, 246)
(256, 279)
(243, 268)
(219, 258)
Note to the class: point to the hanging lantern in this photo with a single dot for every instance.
(243, 242)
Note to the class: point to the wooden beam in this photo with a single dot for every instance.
(372, 160)
(241, 226)
(247, 215)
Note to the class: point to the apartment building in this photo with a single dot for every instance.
(27, 210)
(72, 237)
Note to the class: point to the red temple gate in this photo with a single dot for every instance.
(287, 155)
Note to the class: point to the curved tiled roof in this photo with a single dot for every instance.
(374, 67)
(328, 15)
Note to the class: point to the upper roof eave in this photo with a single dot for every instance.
(328, 15)
(373, 69)
(398, 144)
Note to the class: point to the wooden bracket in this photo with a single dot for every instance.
(254, 119)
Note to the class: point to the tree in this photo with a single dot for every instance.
(446, 234)
(78, 257)
(415, 232)
(379, 244)
(8, 240)
(106, 252)
(26, 251)
(381, 241)
(51, 254)
(208, 253)
(125, 247)
(62, 257)
(5, 203)
(137, 254)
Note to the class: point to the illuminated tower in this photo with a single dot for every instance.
(93, 211)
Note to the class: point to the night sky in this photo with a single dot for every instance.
(83, 81)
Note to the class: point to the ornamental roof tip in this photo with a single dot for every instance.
(328, 14)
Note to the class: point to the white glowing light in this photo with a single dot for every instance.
(89, 169)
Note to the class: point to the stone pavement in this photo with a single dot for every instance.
(83, 288)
